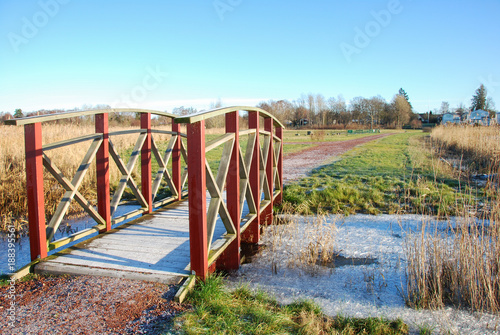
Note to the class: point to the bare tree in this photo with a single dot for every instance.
(445, 107)
(338, 111)
(311, 106)
(402, 110)
(321, 108)
(375, 108)
(359, 109)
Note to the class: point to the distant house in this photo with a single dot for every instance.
(450, 118)
(300, 122)
(479, 117)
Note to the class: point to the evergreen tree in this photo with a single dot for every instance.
(479, 100)
(18, 113)
(405, 95)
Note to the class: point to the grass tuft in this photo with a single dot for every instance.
(217, 310)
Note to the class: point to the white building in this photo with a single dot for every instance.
(479, 117)
(450, 118)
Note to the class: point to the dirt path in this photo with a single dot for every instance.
(88, 305)
(298, 164)
(98, 305)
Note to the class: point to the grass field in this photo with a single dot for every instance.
(392, 175)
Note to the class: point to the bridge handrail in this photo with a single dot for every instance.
(204, 115)
(101, 151)
(254, 175)
(66, 115)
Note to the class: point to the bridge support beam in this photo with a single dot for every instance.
(34, 185)
(279, 198)
(146, 162)
(102, 169)
(230, 259)
(252, 234)
(197, 199)
(176, 160)
(267, 214)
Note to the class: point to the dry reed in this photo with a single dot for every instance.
(13, 202)
(458, 267)
(479, 146)
(459, 264)
(300, 245)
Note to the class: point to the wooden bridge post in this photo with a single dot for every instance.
(252, 234)
(146, 162)
(34, 186)
(230, 259)
(102, 169)
(267, 215)
(197, 199)
(279, 198)
(176, 160)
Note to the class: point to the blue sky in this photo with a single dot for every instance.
(163, 54)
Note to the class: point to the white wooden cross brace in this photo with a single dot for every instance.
(264, 154)
(214, 187)
(163, 171)
(71, 188)
(277, 150)
(184, 174)
(126, 171)
(245, 188)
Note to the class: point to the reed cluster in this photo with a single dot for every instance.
(302, 243)
(458, 264)
(479, 147)
(13, 201)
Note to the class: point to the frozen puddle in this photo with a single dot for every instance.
(370, 289)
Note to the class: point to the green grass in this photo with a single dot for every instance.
(219, 311)
(390, 175)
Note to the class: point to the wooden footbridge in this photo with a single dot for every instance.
(194, 230)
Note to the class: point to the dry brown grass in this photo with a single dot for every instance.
(290, 243)
(479, 146)
(13, 203)
(318, 135)
(459, 267)
(460, 264)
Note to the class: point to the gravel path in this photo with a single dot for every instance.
(100, 305)
(298, 164)
(88, 305)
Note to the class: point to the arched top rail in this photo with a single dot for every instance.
(67, 115)
(204, 115)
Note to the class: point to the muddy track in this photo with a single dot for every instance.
(298, 164)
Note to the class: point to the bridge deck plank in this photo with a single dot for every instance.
(154, 247)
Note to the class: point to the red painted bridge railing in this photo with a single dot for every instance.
(103, 151)
(254, 175)
(246, 185)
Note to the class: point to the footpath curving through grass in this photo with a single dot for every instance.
(391, 175)
(218, 311)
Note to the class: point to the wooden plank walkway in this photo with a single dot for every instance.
(154, 247)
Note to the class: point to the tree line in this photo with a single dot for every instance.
(315, 110)
(322, 112)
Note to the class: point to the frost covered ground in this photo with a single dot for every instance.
(371, 287)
